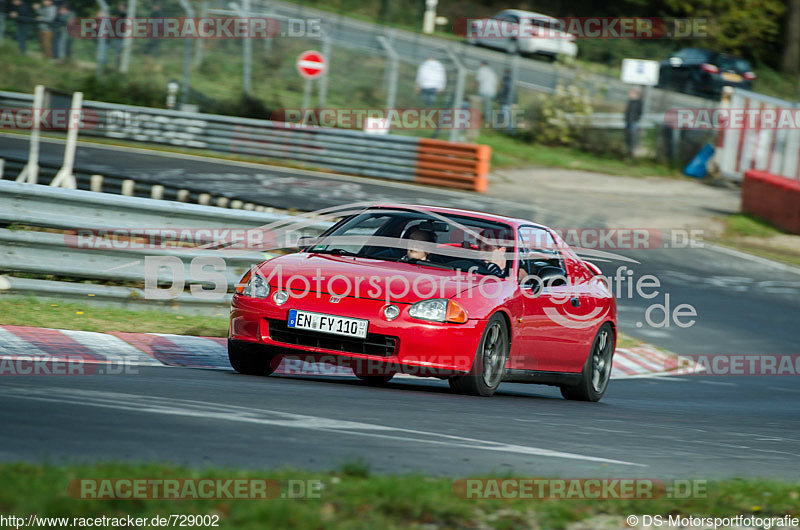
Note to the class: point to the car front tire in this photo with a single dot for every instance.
(489, 364)
(597, 370)
(251, 359)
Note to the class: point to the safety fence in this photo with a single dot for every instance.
(757, 142)
(404, 158)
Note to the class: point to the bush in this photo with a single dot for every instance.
(561, 118)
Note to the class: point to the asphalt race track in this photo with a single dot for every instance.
(671, 427)
(681, 426)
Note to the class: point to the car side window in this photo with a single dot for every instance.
(538, 249)
(691, 55)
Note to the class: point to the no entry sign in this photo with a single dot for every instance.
(311, 64)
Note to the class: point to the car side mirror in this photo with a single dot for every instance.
(305, 241)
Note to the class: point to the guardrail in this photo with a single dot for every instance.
(120, 257)
(352, 152)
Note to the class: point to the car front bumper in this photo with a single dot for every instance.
(405, 344)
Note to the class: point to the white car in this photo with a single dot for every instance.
(517, 31)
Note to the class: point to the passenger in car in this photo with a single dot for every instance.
(415, 250)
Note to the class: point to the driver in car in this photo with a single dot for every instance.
(494, 255)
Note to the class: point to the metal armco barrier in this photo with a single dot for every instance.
(122, 258)
(405, 158)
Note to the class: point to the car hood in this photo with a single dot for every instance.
(366, 278)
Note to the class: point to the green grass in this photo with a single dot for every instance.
(746, 225)
(509, 152)
(362, 500)
(29, 311)
(753, 235)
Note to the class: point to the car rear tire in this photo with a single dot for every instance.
(489, 364)
(251, 359)
(597, 370)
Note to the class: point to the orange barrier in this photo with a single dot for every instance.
(453, 165)
(773, 198)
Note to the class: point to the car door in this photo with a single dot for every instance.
(551, 332)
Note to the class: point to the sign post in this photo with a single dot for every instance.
(64, 177)
(31, 170)
(641, 72)
(310, 65)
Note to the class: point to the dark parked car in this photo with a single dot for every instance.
(705, 72)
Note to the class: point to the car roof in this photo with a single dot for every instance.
(467, 213)
(528, 14)
(710, 52)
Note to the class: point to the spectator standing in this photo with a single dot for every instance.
(46, 17)
(507, 98)
(487, 88)
(23, 17)
(120, 12)
(61, 37)
(633, 113)
(3, 6)
(154, 44)
(431, 80)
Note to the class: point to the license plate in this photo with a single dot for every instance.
(734, 78)
(335, 325)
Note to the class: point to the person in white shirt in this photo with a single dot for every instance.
(487, 88)
(431, 80)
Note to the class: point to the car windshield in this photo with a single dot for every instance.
(421, 237)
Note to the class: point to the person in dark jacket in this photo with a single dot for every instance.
(633, 113)
(121, 12)
(153, 46)
(62, 39)
(24, 17)
(3, 12)
(507, 98)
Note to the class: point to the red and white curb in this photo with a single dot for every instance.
(160, 349)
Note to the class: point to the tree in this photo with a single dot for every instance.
(790, 63)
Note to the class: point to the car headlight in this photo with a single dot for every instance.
(438, 310)
(253, 285)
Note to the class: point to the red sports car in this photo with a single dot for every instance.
(473, 298)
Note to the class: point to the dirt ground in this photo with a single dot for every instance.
(618, 201)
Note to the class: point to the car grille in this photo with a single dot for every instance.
(374, 344)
